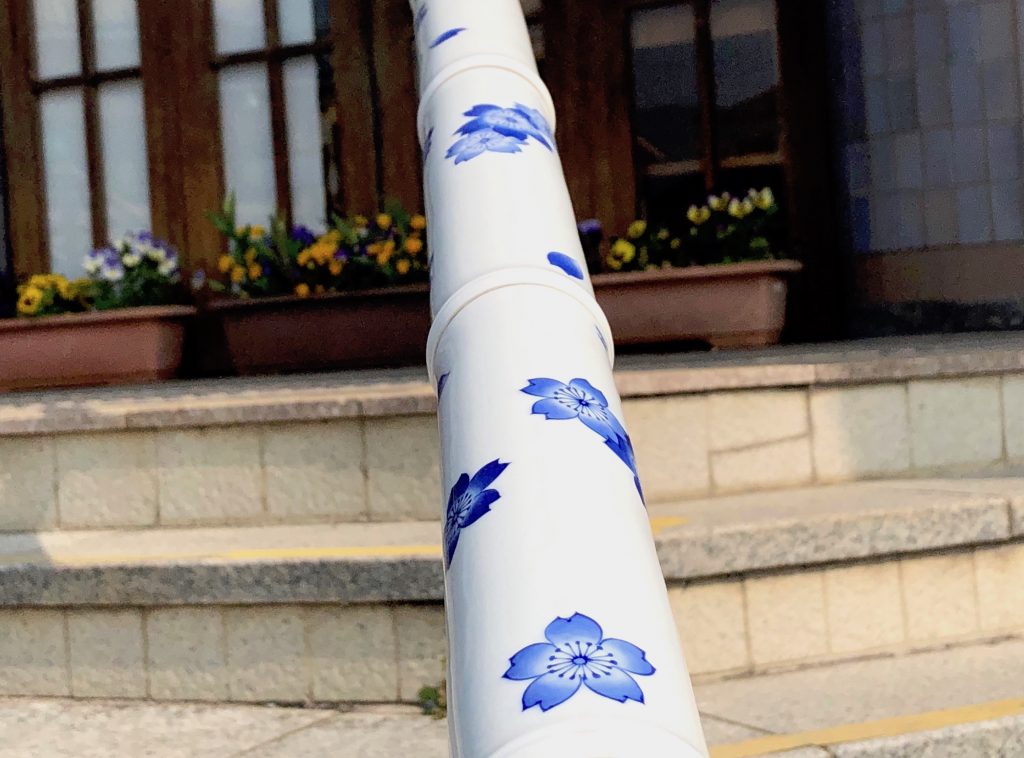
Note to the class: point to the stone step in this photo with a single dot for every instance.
(352, 612)
(362, 446)
(962, 702)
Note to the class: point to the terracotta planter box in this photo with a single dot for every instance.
(109, 347)
(724, 305)
(730, 305)
(378, 328)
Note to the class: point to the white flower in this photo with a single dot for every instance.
(131, 260)
(154, 253)
(167, 267)
(112, 273)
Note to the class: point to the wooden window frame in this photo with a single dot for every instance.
(593, 98)
(370, 48)
(710, 165)
(20, 91)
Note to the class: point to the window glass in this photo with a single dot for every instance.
(247, 140)
(66, 177)
(746, 76)
(667, 116)
(305, 140)
(125, 167)
(57, 48)
(238, 26)
(116, 27)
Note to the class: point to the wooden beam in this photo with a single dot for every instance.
(21, 140)
(394, 72)
(355, 120)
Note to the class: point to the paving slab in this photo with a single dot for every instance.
(870, 689)
(946, 703)
(363, 562)
(96, 729)
(345, 394)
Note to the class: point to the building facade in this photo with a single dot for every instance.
(890, 129)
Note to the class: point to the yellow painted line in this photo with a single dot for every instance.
(666, 522)
(892, 727)
(251, 554)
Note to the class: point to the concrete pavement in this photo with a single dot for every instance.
(963, 701)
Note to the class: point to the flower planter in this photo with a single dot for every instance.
(105, 347)
(725, 305)
(373, 328)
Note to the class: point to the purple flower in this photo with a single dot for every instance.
(303, 235)
(589, 226)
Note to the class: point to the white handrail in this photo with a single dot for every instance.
(561, 638)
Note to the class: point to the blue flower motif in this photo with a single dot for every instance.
(579, 399)
(492, 128)
(468, 501)
(567, 264)
(577, 653)
(428, 143)
(478, 143)
(421, 14)
(441, 382)
(520, 122)
(445, 36)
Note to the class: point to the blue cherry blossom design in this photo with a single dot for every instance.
(567, 264)
(578, 654)
(478, 143)
(492, 128)
(579, 399)
(428, 143)
(468, 501)
(441, 382)
(445, 36)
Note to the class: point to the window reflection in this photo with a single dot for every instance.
(667, 116)
(746, 76)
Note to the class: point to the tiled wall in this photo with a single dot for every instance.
(928, 103)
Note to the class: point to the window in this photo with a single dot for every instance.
(705, 100)
(277, 112)
(86, 94)
(122, 114)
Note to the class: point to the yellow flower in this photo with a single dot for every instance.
(418, 222)
(740, 209)
(614, 264)
(255, 232)
(413, 245)
(676, 243)
(360, 220)
(224, 264)
(30, 300)
(636, 229)
(385, 253)
(698, 216)
(663, 234)
(335, 268)
(375, 248)
(64, 288)
(384, 220)
(250, 256)
(717, 203)
(624, 250)
(238, 275)
(302, 290)
(764, 199)
(255, 271)
(303, 257)
(403, 266)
